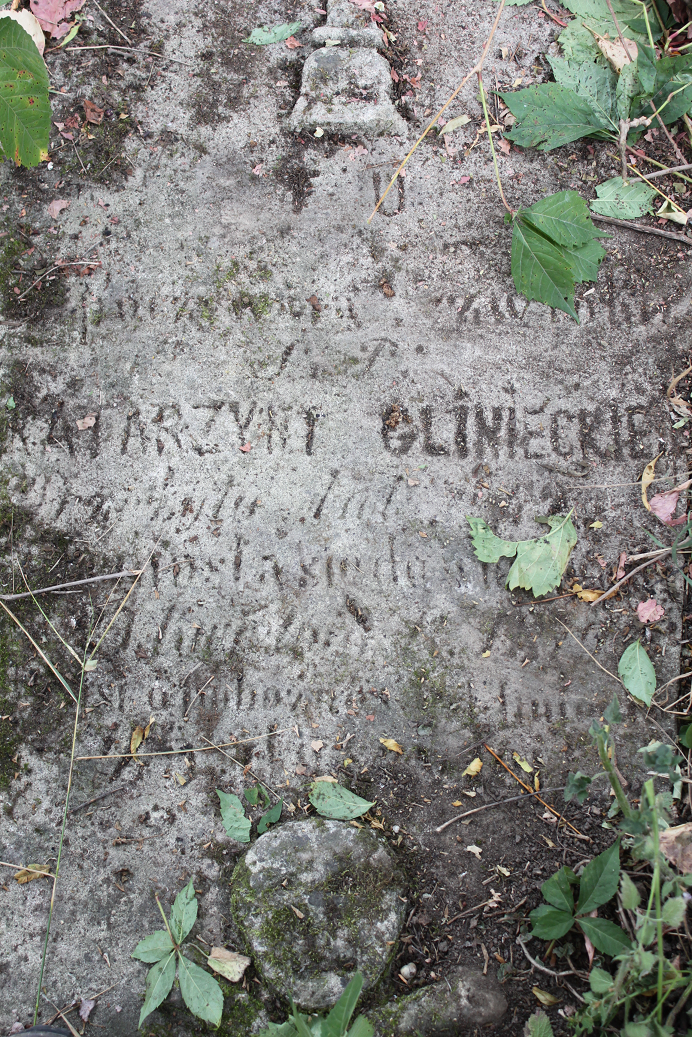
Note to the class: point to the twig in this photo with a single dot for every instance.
(200, 692)
(612, 12)
(107, 165)
(587, 650)
(487, 806)
(80, 158)
(615, 587)
(75, 1033)
(537, 964)
(22, 867)
(678, 154)
(108, 19)
(190, 672)
(642, 230)
(132, 50)
(73, 810)
(573, 992)
(542, 801)
(656, 189)
(43, 655)
(178, 752)
(542, 601)
(654, 162)
(74, 583)
(474, 71)
(673, 169)
(554, 17)
(263, 783)
(59, 266)
(69, 1008)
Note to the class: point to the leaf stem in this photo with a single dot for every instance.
(656, 889)
(165, 921)
(492, 145)
(608, 767)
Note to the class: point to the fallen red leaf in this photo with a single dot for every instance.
(53, 15)
(93, 113)
(649, 611)
(292, 43)
(56, 207)
(246, 448)
(316, 305)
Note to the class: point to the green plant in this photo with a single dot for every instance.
(539, 563)
(24, 103)
(336, 1024)
(162, 949)
(635, 999)
(235, 822)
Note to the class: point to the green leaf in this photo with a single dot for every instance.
(270, 818)
(153, 947)
(540, 563)
(201, 992)
(24, 102)
(286, 1029)
(183, 913)
(612, 714)
(488, 547)
(10, 404)
(557, 890)
(628, 86)
(361, 1028)
(541, 270)
(562, 217)
(673, 911)
(549, 923)
(577, 43)
(550, 115)
(330, 800)
(340, 1016)
(607, 937)
(600, 981)
(685, 736)
(629, 893)
(637, 1030)
(577, 787)
(596, 83)
(159, 982)
(598, 17)
(585, 261)
(538, 1025)
(599, 880)
(300, 1021)
(623, 201)
(637, 673)
(264, 35)
(233, 816)
(252, 795)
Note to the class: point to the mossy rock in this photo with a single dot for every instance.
(467, 1001)
(317, 901)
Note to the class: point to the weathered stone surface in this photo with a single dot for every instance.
(347, 91)
(343, 12)
(317, 900)
(476, 1000)
(367, 37)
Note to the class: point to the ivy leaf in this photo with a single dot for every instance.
(607, 937)
(549, 923)
(159, 982)
(599, 880)
(233, 816)
(541, 270)
(153, 947)
(623, 201)
(637, 673)
(563, 218)
(183, 913)
(596, 83)
(488, 547)
(334, 801)
(551, 115)
(270, 818)
(201, 992)
(24, 103)
(264, 35)
(540, 563)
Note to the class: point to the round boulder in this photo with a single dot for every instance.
(317, 901)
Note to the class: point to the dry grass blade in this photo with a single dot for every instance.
(477, 68)
(45, 658)
(542, 801)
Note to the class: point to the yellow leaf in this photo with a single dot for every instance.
(596, 525)
(524, 764)
(147, 729)
(469, 792)
(576, 587)
(474, 768)
(647, 479)
(485, 655)
(588, 595)
(544, 997)
(136, 740)
(536, 782)
(32, 871)
(550, 842)
(393, 746)
(229, 964)
(457, 803)
(347, 761)
(617, 55)
(180, 779)
(326, 777)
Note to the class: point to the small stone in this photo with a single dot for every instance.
(443, 947)
(408, 971)
(395, 829)
(317, 901)
(476, 1001)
